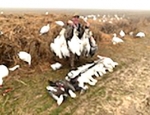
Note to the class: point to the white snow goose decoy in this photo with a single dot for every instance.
(116, 39)
(25, 57)
(140, 34)
(60, 23)
(4, 72)
(122, 34)
(45, 29)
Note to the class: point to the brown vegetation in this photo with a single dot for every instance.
(21, 32)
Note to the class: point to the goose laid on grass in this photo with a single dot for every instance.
(108, 63)
(56, 93)
(60, 89)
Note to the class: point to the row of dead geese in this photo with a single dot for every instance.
(80, 78)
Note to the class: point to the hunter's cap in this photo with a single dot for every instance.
(76, 15)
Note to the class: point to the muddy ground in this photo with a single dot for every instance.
(126, 91)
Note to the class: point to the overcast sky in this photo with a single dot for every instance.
(85, 4)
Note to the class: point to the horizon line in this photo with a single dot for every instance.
(78, 9)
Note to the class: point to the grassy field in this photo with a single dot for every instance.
(125, 91)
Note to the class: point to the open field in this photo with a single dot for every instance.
(126, 91)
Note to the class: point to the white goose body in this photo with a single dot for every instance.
(59, 47)
(56, 66)
(55, 47)
(63, 47)
(140, 34)
(99, 70)
(25, 57)
(4, 72)
(116, 40)
(122, 33)
(60, 23)
(108, 63)
(59, 99)
(72, 94)
(75, 44)
(85, 43)
(44, 29)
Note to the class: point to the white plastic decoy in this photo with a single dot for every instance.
(45, 29)
(140, 34)
(116, 39)
(4, 72)
(25, 57)
(122, 33)
(60, 23)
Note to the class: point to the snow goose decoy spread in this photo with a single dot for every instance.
(116, 39)
(25, 57)
(45, 29)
